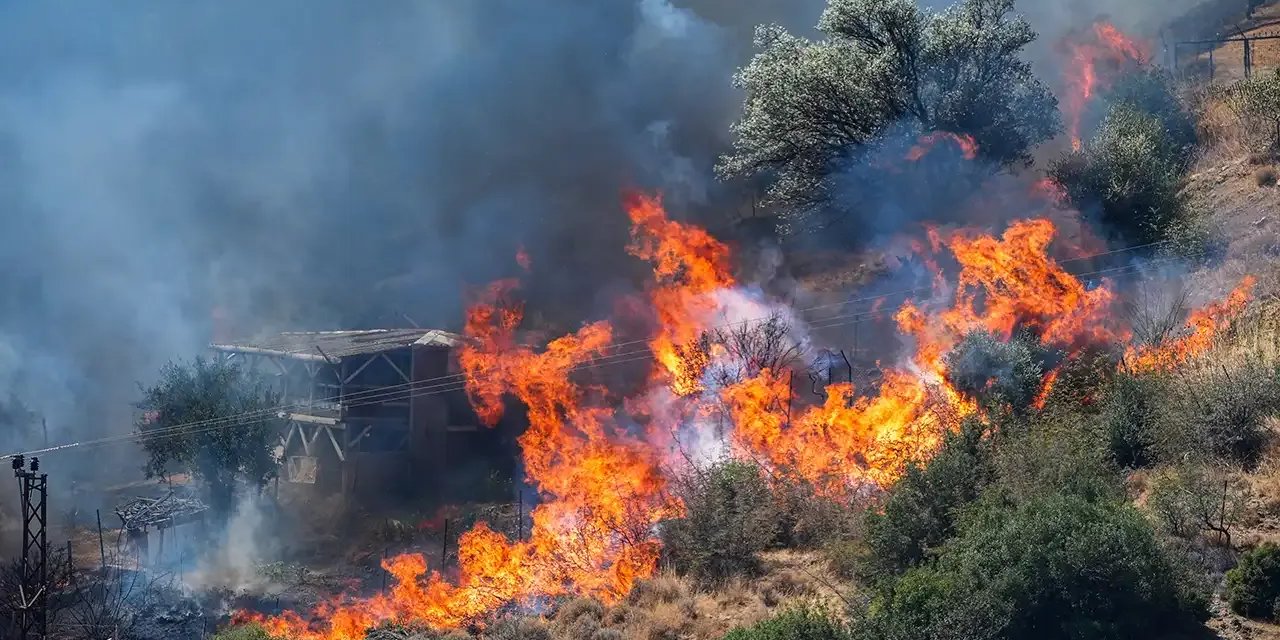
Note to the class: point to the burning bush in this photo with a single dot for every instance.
(1055, 567)
(1253, 587)
(730, 516)
(999, 374)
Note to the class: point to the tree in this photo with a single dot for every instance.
(813, 106)
(1055, 567)
(211, 420)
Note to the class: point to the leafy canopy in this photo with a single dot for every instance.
(812, 106)
(217, 424)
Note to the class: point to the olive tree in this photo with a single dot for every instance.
(813, 106)
(211, 420)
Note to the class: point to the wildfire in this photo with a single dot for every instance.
(1201, 327)
(1096, 60)
(601, 494)
(601, 487)
(926, 143)
(689, 266)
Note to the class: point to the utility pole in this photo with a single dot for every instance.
(33, 590)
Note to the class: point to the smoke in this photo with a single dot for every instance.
(234, 557)
(320, 165)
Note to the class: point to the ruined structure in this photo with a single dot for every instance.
(367, 410)
(165, 530)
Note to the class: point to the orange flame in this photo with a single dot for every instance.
(1201, 327)
(689, 266)
(926, 143)
(601, 488)
(601, 494)
(1095, 62)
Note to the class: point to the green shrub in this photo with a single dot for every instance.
(1253, 587)
(1129, 175)
(998, 373)
(1153, 91)
(1055, 567)
(921, 510)
(808, 520)
(1256, 102)
(1131, 417)
(796, 623)
(730, 516)
(1057, 453)
(242, 632)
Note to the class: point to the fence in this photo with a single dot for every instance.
(1229, 58)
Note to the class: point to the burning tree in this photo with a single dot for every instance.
(811, 106)
(211, 420)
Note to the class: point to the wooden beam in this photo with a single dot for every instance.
(358, 370)
(231, 348)
(393, 366)
(361, 436)
(303, 417)
(342, 456)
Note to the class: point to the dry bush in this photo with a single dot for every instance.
(578, 619)
(1265, 176)
(518, 628)
(1199, 500)
(663, 588)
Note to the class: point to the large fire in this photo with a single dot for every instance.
(1097, 58)
(601, 476)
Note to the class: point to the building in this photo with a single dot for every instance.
(366, 411)
(164, 531)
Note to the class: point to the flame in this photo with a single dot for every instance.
(523, 259)
(601, 494)
(850, 440)
(926, 143)
(689, 266)
(1201, 327)
(1095, 63)
(601, 487)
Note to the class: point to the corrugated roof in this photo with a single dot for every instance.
(315, 345)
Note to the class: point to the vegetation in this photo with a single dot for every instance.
(730, 516)
(1111, 578)
(1129, 175)
(1000, 374)
(812, 107)
(796, 623)
(1253, 587)
(1256, 103)
(217, 423)
(922, 509)
(242, 632)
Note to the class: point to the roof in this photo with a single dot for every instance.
(170, 510)
(326, 345)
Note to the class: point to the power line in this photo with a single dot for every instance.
(456, 382)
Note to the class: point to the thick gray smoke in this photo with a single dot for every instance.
(316, 165)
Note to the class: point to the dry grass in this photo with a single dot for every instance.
(668, 607)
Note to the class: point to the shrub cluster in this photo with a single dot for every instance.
(730, 516)
(1253, 587)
